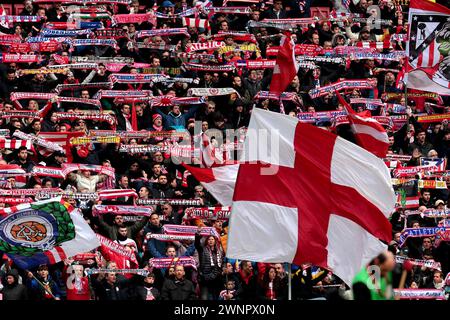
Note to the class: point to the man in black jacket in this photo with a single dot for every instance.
(12, 290)
(118, 222)
(277, 11)
(248, 282)
(108, 288)
(162, 189)
(178, 288)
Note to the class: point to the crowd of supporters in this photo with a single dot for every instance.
(212, 63)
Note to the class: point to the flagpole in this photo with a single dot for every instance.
(289, 282)
(42, 285)
(406, 95)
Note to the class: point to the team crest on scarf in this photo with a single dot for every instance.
(36, 229)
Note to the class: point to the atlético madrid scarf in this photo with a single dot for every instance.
(208, 67)
(140, 134)
(26, 192)
(134, 78)
(38, 141)
(106, 117)
(136, 148)
(342, 85)
(133, 18)
(52, 46)
(113, 251)
(83, 2)
(86, 140)
(420, 294)
(140, 272)
(19, 58)
(15, 144)
(20, 19)
(219, 213)
(104, 60)
(173, 202)
(211, 92)
(165, 263)
(121, 210)
(419, 233)
(122, 94)
(174, 229)
(201, 46)
(81, 86)
(15, 201)
(421, 263)
(169, 237)
(162, 32)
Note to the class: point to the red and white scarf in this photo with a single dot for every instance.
(220, 213)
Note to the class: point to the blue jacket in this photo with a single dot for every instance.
(38, 292)
(172, 121)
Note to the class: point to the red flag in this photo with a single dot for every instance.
(134, 122)
(285, 68)
(369, 133)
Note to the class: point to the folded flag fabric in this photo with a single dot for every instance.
(44, 232)
(285, 67)
(219, 181)
(369, 133)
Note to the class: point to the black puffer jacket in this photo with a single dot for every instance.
(176, 290)
(209, 270)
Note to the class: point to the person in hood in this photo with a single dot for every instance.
(12, 289)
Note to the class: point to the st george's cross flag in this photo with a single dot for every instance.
(309, 196)
(428, 47)
(44, 232)
(286, 66)
(369, 133)
(219, 181)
